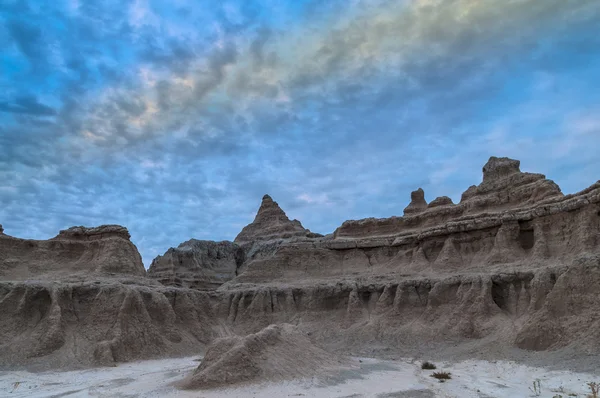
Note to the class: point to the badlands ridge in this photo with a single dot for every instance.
(514, 266)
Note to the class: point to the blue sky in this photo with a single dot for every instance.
(173, 118)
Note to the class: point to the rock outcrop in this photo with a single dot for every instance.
(440, 201)
(505, 186)
(77, 251)
(271, 223)
(417, 202)
(198, 264)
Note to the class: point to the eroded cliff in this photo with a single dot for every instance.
(494, 267)
(77, 251)
(515, 264)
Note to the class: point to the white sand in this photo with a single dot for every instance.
(376, 378)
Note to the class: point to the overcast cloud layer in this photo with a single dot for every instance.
(173, 118)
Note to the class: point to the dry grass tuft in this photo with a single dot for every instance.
(442, 376)
(428, 366)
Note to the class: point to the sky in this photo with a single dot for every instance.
(174, 117)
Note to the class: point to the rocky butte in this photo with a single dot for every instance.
(511, 269)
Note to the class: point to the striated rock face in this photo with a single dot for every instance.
(71, 325)
(104, 250)
(198, 264)
(543, 309)
(271, 223)
(417, 202)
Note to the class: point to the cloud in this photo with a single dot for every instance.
(28, 39)
(175, 126)
(27, 105)
(427, 46)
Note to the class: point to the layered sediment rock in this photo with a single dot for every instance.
(57, 324)
(271, 223)
(505, 186)
(198, 264)
(445, 271)
(504, 190)
(543, 309)
(104, 250)
(515, 264)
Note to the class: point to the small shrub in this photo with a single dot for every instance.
(595, 388)
(428, 366)
(442, 376)
(537, 388)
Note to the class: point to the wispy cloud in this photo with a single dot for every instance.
(174, 118)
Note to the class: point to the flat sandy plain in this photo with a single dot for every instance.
(375, 378)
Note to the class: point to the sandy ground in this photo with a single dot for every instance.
(375, 378)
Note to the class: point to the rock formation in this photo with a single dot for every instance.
(57, 324)
(271, 223)
(76, 251)
(464, 271)
(515, 264)
(278, 352)
(198, 264)
(440, 201)
(505, 186)
(417, 202)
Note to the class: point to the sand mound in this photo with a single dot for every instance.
(277, 352)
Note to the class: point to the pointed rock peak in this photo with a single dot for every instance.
(270, 209)
(418, 195)
(417, 202)
(498, 168)
(271, 222)
(1, 229)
